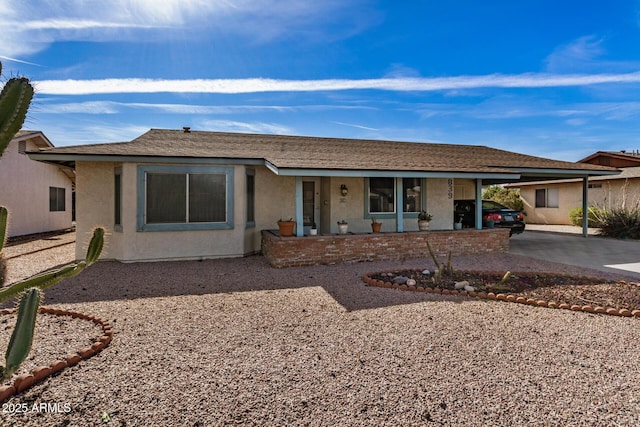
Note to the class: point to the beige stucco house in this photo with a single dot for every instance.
(172, 194)
(38, 195)
(549, 202)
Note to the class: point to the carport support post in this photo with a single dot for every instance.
(299, 218)
(479, 204)
(585, 206)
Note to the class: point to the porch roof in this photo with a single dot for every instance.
(303, 155)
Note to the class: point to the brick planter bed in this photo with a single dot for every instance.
(506, 297)
(26, 381)
(283, 252)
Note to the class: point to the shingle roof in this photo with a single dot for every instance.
(35, 135)
(302, 152)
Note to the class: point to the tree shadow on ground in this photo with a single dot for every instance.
(112, 280)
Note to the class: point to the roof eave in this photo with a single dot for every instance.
(564, 173)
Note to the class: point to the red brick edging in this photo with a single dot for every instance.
(26, 381)
(503, 297)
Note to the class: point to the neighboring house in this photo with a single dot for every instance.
(38, 195)
(549, 202)
(172, 194)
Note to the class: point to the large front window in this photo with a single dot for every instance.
(175, 198)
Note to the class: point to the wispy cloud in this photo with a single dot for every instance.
(28, 27)
(255, 85)
(587, 53)
(355, 126)
(251, 127)
(54, 106)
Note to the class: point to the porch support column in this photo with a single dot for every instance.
(478, 204)
(585, 206)
(299, 218)
(399, 206)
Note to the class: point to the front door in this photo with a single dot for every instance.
(310, 205)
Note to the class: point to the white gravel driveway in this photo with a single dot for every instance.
(236, 342)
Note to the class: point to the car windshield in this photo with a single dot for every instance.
(490, 204)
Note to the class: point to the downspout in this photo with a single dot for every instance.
(585, 206)
(479, 204)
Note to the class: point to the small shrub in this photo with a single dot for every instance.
(621, 223)
(593, 217)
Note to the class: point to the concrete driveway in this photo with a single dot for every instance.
(605, 254)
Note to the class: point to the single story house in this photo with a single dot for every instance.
(182, 194)
(549, 202)
(38, 195)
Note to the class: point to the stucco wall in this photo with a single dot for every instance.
(95, 206)
(440, 193)
(25, 192)
(274, 200)
(464, 189)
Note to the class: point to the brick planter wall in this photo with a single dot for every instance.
(332, 249)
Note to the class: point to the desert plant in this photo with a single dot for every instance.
(620, 222)
(15, 99)
(444, 270)
(593, 216)
(30, 292)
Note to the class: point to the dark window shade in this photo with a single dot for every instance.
(166, 198)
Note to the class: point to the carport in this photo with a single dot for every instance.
(543, 174)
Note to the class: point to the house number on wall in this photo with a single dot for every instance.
(450, 188)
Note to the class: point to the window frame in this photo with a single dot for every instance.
(57, 201)
(117, 199)
(141, 187)
(250, 201)
(546, 198)
(391, 215)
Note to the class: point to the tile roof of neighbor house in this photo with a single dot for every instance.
(302, 152)
(633, 155)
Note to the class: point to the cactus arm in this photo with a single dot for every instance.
(50, 278)
(15, 99)
(95, 245)
(4, 215)
(22, 336)
(40, 281)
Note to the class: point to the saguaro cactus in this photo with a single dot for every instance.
(15, 99)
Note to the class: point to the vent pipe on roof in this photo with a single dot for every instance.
(186, 129)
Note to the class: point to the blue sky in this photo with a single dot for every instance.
(558, 79)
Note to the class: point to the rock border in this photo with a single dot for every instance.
(501, 297)
(25, 381)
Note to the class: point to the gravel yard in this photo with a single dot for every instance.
(236, 342)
